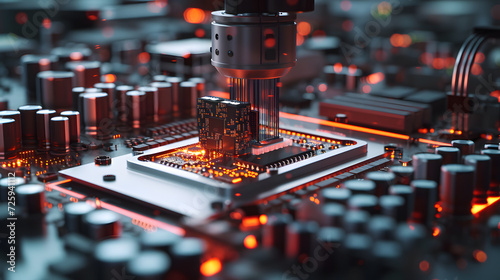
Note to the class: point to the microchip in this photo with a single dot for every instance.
(275, 157)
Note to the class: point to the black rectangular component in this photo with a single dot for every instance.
(274, 157)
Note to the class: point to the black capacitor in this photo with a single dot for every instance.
(427, 166)
(8, 145)
(43, 128)
(28, 123)
(151, 103)
(87, 73)
(75, 95)
(403, 174)
(16, 116)
(187, 254)
(300, 238)
(73, 216)
(187, 100)
(381, 227)
(274, 232)
(382, 180)
(108, 88)
(149, 265)
(394, 206)
(408, 194)
(111, 257)
(122, 107)
(333, 214)
(31, 65)
(160, 240)
(356, 221)
(466, 147)
(425, 199)
(102, 224)
(31, 198)
(59, 135)
(457, 190)
(54, 89)
(451, 155)
(95, 113)
(74, 125)
(495, 173)
(365, 202)
(175, 82)
(137, 102)
(200, 86)
(339, 195)
(164, 100)
(360, 186)
(4, 104)
(482, 166)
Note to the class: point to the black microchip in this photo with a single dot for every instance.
(275, 156)
(216, 125)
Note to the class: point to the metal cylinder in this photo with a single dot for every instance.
(466, 146)
(75, 95)
(59, 135)
(67, 54)
(28, 123)
(200, 86)
(31, 198)
(4, 104)
(404, 174)
(122, 107)
(451, 155)
(482, 166)
(87, 73)
(95, 113)
(495, 173)
(151, 103)
(16, 116)
(108, 88)
(74, 125)
(187, 100)
(425, 199)
(164, 100)
(31, 65)
(427, 166)
(43, 128)
(457, 190)
(7, 142)
(175, 82)
(54, 89)
(382, 180)
(136, 100)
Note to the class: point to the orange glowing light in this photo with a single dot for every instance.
(352, 68)
(432, 142)
(249, 222)
(375, 78)
(479, 58)
(211, 267)
(44, 62)
(194, 15)
(300, 39)
(476, 208)
(337, 67)
(76, 56)
(436, 231)
(250, 242)
(496, 94)
(270, 42)
(322, 87)
(424, 266)
(236, 180)
(109, 78)
(144, 57)
(304, 28)
(200, 33)
(263, 219)
(47, 23)
(480, 256)
(476, 69)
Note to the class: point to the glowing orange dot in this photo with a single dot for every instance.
(236, 180)
(304, 28)
(44, 62)
(144, 57)
(300, 39)
(109, 78)
(436, 231)
(396, 40)
(352, 68)
(424, 265)
(200, 33)
(367, 89)
(270, 43)
(76, 56)
(322, 87)
(406, 40)
(480, 256)
(211, 267)
(46, 23)
(194, 15)
(496, 94)
(250, 242)
(263, 219)
(479, 58)
(476, 69)
(337, 67)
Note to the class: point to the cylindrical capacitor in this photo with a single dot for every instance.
(381, 227)
(187, 100)
(335, 195)
(95, 113)
(8, 145)
(122, 107)
(427, 166)
(356, 221)
(75, 95)
(382, 180)
(159, 78)
(59, 135)
(108, 88)
(300, 236)
(466, 146)
(365, 202)
(495, 173)
(74, 214)
(403, 174)
(407, 193)
(137, 103)
(187, 254)
(54, 89)
(175, 81)
(102, 224)
(151, 103)
(43, 128)
(457, 189)
(274, 232)
(200, 86)
(160, 240)
(74, 125)
(16, 116)
(425, 199)
(4, 104)
(451, 155)
(111, 257)
(28, 123)
(66, 54)
(149, 265)
(395, 207)
(164, 100)
(87, 73)
(482, 165)
(333, 214)
(360, 186)
(31, 198)
(31, 65)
